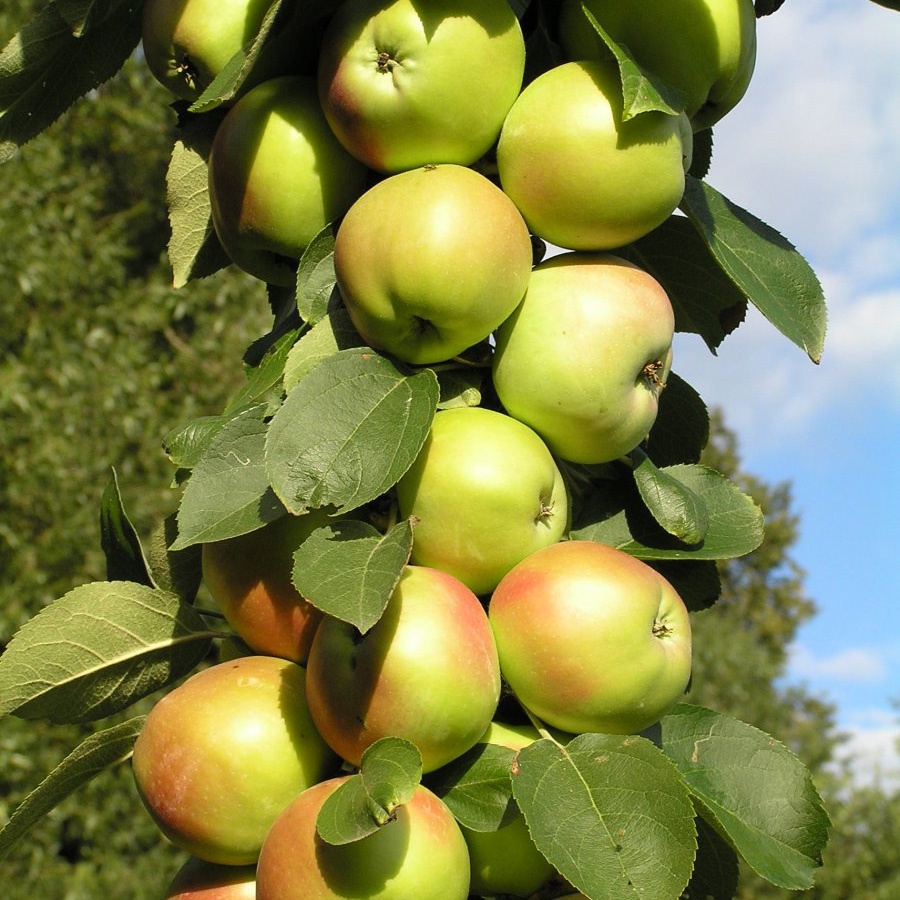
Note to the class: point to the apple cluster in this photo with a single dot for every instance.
(411, 125)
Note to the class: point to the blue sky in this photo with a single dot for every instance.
(814, 150)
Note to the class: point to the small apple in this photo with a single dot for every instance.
(404, 83)
(485, 492)
(591, 639)
(427, 671)
(222, 754)
(277, 177)
(585, 356)
(583, 178)
(705, 49)
(419, 855)
(430, 262)
(200, 880)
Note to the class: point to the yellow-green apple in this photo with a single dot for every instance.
(583, 178)
(484, 492)
(506, 861)
(221, 755)
(427, 671)
(277, 177)
(602, 330)
(201, 880)
(591, 639)
(431, 261)
(406, 83)
(705, 49)
(419, 854)
(249, 577)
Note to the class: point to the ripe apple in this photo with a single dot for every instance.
(222, 754)
(427, 671)
(582, 178)
(602, 329)
(419, 854)
(277, 177)
(485, 493)
(705, 49)
(431, 261)
(404, 84)
(200, 880)
(591, 639)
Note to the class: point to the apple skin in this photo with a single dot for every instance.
(404, 84)
(222, 754)
(705, 49)
(582, 178)
(485, 492)
(429, 262)
(427, 671)
(420, 854)
(591, 639)
(602, 329)
(277, 177)
(200, 880)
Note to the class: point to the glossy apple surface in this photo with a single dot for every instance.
(222, 754)
(420, 854)
(278, 176)
(404, 83)
(485, 493)
(426, 672)
(200, 880)
(431, 261)
(585, 356)
(582, 178)
(591, 639)
(705, 49)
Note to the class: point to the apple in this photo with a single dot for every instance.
(250, 579)
(705, 49)
(277, 177)
(427, 671)
(585, 356)
(404, 83)
(484, 493)
(583, 178)
(591, 639)
(200, 880)
(431, 261)
(419, 854)
(221, 755)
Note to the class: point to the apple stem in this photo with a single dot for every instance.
(539, 726)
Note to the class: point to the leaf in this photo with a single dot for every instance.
(265, 377)
(331, 333)
(348, 430)
(97, 650)
(677, 508)
(697, 582)
(716, 869)
(178, 572)
(611, 813)
(316, 280)
(752, 790)
(701, 157)
(763, 265)
(186, 444)
(93, 755)
(228, 493)
(119, 540)
(681, 429)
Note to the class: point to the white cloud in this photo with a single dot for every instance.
(872, 749)
(855, 664)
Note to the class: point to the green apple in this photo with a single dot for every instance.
(431, 261)
(221, 755)
(419, 855)
(583, 178)
(200, 880)
(277, 177)
(705, 49)
(484, 493)
(585, 356)
(591, 639)
(405, 83)
(427, 671)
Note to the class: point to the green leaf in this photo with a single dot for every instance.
(119, 540)
(697, 582)
(349, 570)
(701, 157)
(331, 333)
(677, 508)
(97, 650)
(681, 429)
(266, 377)
(754, 791)
(764, 266)
(715, 875)
(228, 493)
(178, 572)
(316, 281)
(611, 813)
(348, 430)
(93, 755)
